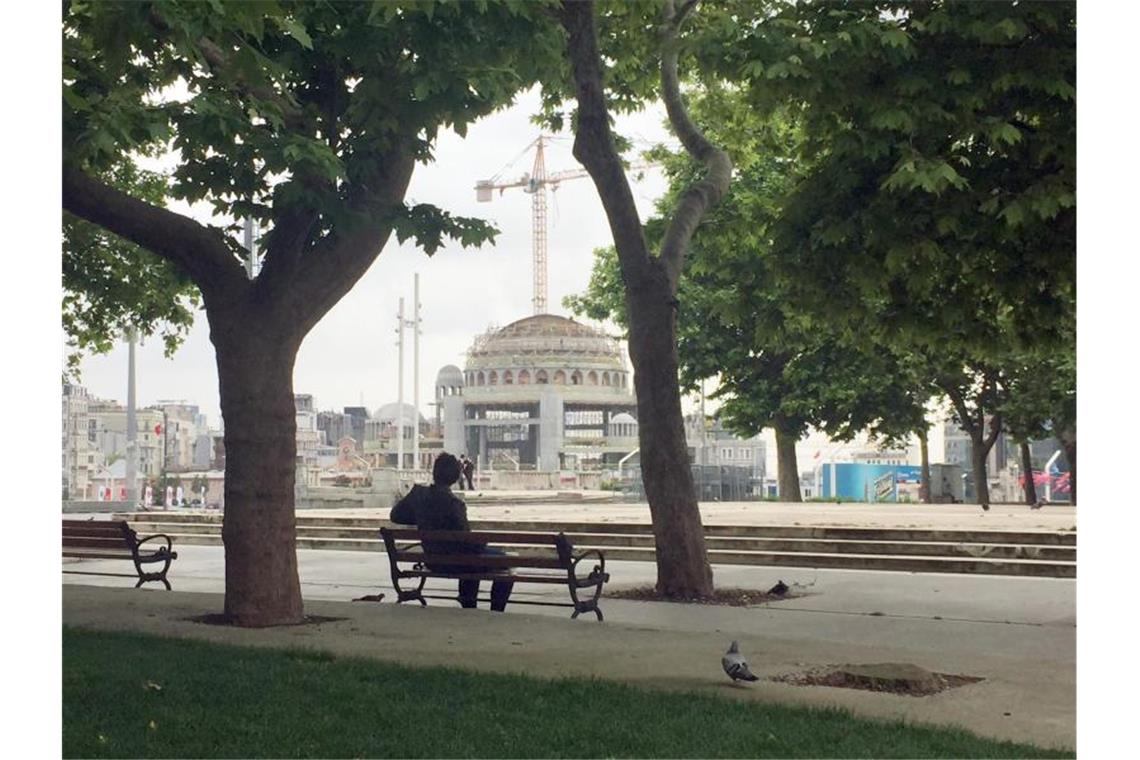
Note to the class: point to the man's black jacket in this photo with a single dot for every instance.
(435, 508)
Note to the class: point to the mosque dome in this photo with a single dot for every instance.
(449, 376)
(545, 338)
(390, 413)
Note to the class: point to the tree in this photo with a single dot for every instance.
(1042, 402)
(309, 118)
(937, 206)
(940, 142)
(651, 283)
(775, 364)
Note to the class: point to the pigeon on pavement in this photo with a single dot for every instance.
(735, 666)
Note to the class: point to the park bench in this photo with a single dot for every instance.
(114, 539)
(546, 558)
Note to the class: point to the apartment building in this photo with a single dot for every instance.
(79, 456)
(107, 431)
(181, 426)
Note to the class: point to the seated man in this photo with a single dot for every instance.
(436, 508)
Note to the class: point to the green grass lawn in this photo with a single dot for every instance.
(226, 701)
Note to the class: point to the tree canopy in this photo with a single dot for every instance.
(307, 117)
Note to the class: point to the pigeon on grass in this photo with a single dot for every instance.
(735, 666)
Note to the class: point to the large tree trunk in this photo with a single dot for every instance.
(255, 383)
(787, 469)
(1027, 468)
(651, 283)
(683, 569)
(924, 448)
(978, 452)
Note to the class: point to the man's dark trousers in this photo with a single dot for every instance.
(500, 590)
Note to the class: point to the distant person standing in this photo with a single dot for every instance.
(462, 465)
(468, 472)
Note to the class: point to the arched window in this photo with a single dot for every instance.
(492, 378)
(508, 377)
(576, 378)
(559, 377)
(541, 378)
(480, 379)
(591, 378)
(524, 377)
(606, 378)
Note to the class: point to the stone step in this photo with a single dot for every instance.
(899, 548)
(152, 520)
(848, 561)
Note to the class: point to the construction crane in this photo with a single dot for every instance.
(536, 183)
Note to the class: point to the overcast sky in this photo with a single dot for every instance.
(351, 355)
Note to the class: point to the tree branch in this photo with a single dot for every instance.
(218, 59)
(995, 430)
(330, 270)
(700, 196)
(284, 244)
(594, 145)
(198, 250)
(959, 403)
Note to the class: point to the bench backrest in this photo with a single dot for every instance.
(109, 535)
(559, 557)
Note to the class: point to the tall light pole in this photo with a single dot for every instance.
(416, 375)
(132, 425)
(400, 393)
(251, 259)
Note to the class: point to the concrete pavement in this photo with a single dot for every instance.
(1019, 634)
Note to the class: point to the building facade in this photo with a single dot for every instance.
(107, 427)
(543, 393)
(79, 456)
(180, 430)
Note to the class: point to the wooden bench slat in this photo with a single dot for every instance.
(80, 532)
(117, 542)
(479, 560)
(478, 537)
(520, 578)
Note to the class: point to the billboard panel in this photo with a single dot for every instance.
(871, 482)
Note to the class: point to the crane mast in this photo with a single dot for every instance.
(536, 183)
(537, 189)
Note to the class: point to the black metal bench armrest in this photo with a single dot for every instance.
(599, 571)
(155, 555)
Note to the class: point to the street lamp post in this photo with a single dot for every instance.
(132, 424)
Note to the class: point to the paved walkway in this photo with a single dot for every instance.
(1017, 633)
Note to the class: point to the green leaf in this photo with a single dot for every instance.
(296, 30)
(896, 38)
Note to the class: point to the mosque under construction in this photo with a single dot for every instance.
(544, 393)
